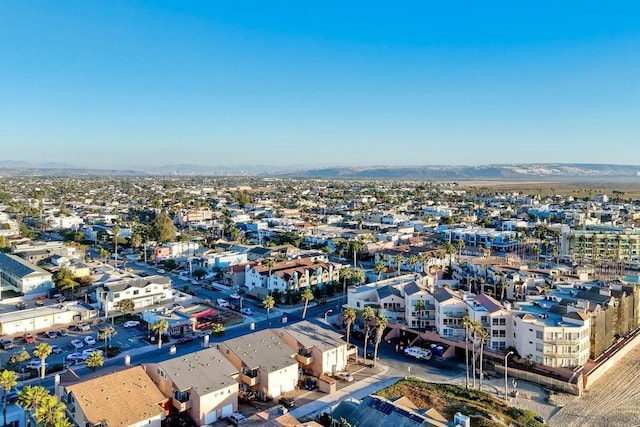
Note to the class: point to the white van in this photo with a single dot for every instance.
(418, 352)
(236, 418)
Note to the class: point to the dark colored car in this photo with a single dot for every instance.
(287, 402)
(185, 339)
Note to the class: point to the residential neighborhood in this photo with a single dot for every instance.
(263, 299)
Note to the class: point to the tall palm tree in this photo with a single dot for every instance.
(466, 322)
(160, 326)
(460, 245)
(380, 325)
(306, 296)
(398, 260)
(42, 351)
(349, 316)
(482, 335)
(8, 380)
(106, 334)
(413, 261)
(345, 273)
(268, 303)
(30, 397)
(270, 262)
(450, 250)
(368, 316)
(356, 245)
(358, 275)
(116, 232)
(379, 268)
(475, 326)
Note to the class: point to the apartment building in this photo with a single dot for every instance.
(290, 275)
(21, 277)
(144, 292)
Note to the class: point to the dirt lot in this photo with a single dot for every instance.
(613, 401)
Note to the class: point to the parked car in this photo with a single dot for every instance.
(21, 306)
(52, 334)
(344, 376)
(83, 327)
(237, 418)
(418, 352)
(287, 402)
(234, 296)
(29, 338)
(63, 332)
(184, 340)
(6, 343)
(88, 351)
(246, 311)
(223, 303)
(35, 364)
(161, 270)
(77, 344)
(131, 324)
(89, 340)
(75, 357)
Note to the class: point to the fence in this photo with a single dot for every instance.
(564, 386)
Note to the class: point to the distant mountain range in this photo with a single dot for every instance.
(540, 171)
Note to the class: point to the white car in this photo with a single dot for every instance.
(234, 296)
(35, 364)
(89, 340)
(345, 376)
(223, 303)
(88, 351)
(77, 344)
(131, 324)
(75, 357)
(418, 352)
(55, 349)
(246, 311)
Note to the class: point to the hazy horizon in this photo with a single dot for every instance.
(119, 85)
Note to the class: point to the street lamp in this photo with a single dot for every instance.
(326, 313)
(506, 356)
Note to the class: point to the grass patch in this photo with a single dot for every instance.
(484, 409)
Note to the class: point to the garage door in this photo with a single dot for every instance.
(211, 417)
(227, 410)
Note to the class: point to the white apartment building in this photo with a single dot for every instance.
(290, 275)
(495, 319)
(22, 277)
(450, 309)
(144, 292)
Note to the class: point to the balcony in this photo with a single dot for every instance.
(181, 406)
(304, 357)
(250, 377)
(562, 341)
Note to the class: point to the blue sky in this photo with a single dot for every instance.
(109, 84)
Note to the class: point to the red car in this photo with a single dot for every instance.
(28, 338)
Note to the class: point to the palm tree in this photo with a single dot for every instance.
(8, 380)
(217, 329)
(368, 316)
(358, 275)
(106, 334)
(306, 296)
(94, 361)
(268, 303)
(116, 232)
(380, 325)
(51, 412)
(460, 245)
(483, 335)
(466, 322)
(424, 261)
(42, 351)
(356, 245)
(126, 306)
(345, 273)
(379, 268)
(450, 250)
(160, 326)
(30, 397)
(349, 316)
(413, 261)
(398, 260)
(270, 262)
(475, 326)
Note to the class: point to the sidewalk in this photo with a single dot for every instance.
(358, 390)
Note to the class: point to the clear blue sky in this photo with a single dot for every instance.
(315, 83)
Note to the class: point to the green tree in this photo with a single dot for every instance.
(482, 335)
(20, 357)
(356, 245)
(345, 274)
(170, 264)
(105, 334)
(379, 268)
(8, 380)
(270, 263)
(126, 306)
(268, 303)
(94, 361)
(42, 351)
(467, 323)
(348, 316)
(357, 275)
(136, 240)
(30, 397)
(160, 326)
(162, 229)
(380, 323)
(368, 317)
(307, 295)
(217, 329)
(199, 273)
(51, 413)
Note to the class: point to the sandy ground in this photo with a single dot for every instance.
(612, 401)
